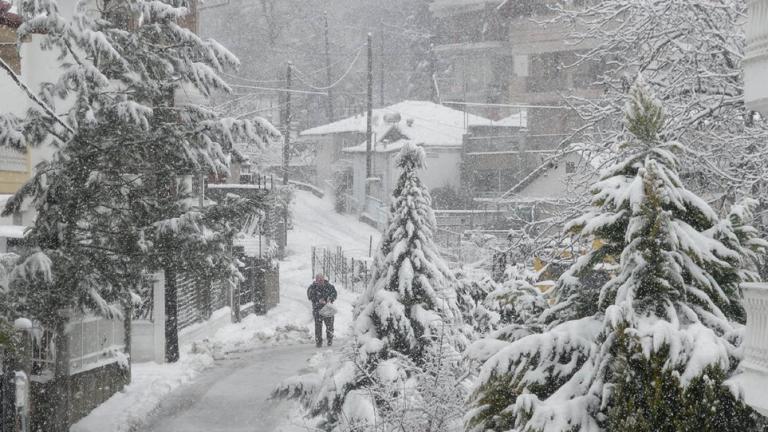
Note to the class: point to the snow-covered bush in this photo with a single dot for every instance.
(648, 349)
(470, 295)
(407, 311)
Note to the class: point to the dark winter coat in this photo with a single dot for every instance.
(317, 292)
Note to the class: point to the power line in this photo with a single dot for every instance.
(565, 107)
(279, 89)
(252, 80)
(344, 75)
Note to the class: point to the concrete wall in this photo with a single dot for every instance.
(553, 184)
(328, 153)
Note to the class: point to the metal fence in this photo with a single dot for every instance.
(351, 273)
(93, 341)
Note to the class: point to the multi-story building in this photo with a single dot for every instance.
(498, 59)
(472, 45)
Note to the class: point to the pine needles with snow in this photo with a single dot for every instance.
(646, 348)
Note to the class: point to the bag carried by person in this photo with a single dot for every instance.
(328, 310)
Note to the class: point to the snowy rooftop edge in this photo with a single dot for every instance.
(407, 109)
(12, 231)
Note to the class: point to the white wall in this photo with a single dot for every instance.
(554, 182)
(443, 168)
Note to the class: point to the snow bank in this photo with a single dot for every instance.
(127, 409)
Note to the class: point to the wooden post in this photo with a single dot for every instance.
(314, 259)
(128, 311)
(369, 121)
(329, 99)
(171, 316)
(61, 397)
(381, 67)
(370, 246)
(158, 316)
(287, 125)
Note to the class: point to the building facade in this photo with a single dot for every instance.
(499, 59)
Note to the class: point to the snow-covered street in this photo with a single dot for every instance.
(231, 393)
(234, 395)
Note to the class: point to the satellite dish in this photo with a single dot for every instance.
(392, 118)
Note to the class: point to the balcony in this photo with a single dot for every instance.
(753, 378)
(756, 57)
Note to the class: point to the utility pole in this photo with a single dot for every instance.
(287, 120)
(381, 61)
(329, 99)
(369, 119)
(286, 146)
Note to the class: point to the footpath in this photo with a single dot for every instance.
(223, 383)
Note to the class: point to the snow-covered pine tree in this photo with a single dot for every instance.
(123, 144)
(654, 349)
(470, 295)
(738, 234)
(408, 309)
(690, 52)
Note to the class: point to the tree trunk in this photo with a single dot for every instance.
(171, 317)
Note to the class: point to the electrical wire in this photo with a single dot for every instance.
(279, 89)
(252, 80)
(344, 75)
(450, 102)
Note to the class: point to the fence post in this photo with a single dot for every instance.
(61, 397)
(158, 316)
(314, 251)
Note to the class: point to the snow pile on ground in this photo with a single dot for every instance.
(290, 323)
(126, 410)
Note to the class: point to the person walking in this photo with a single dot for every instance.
(320, 293)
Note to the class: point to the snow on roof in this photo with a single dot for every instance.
(422, 122)
(378, 147)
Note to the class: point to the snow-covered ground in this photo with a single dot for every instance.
(224, 382)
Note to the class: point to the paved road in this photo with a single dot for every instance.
(233, 395)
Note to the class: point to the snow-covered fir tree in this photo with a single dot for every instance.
(407, 313)
(470, 295)
(115, 186)
(739, 234)
(651, 348)
(690, 52)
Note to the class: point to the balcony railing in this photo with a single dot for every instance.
(753, 378)
(756, 57)
(756, 337)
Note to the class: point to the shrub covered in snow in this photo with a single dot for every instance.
(651, 347)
